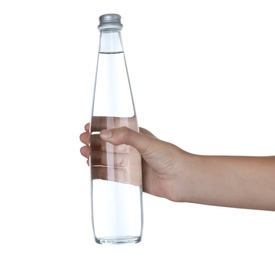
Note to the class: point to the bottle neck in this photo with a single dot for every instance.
(110, 41)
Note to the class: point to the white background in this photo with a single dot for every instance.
(202, 74)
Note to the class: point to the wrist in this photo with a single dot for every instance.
(187, 180)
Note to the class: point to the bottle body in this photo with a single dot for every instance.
(116, 176)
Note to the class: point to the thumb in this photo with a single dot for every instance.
(124, 135)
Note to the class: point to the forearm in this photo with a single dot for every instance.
(233, 181)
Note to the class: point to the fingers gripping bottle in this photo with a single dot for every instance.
(116, 177)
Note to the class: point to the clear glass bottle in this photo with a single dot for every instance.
(116, 173)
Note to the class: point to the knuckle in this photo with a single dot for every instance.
(122, 160)
(125, 133)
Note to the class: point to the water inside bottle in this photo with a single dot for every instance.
(117, 212)
(113, 95)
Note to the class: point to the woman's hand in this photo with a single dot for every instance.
(163, 163)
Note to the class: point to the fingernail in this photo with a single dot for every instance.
(106, 133)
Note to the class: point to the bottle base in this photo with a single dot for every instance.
(118, 240)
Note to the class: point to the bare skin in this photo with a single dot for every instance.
(174, 174)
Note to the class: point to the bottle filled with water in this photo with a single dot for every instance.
(116, 173)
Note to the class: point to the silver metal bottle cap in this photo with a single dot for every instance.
(110, 21)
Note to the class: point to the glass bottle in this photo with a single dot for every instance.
(116, 175)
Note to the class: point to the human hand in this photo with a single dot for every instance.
(162, 162)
